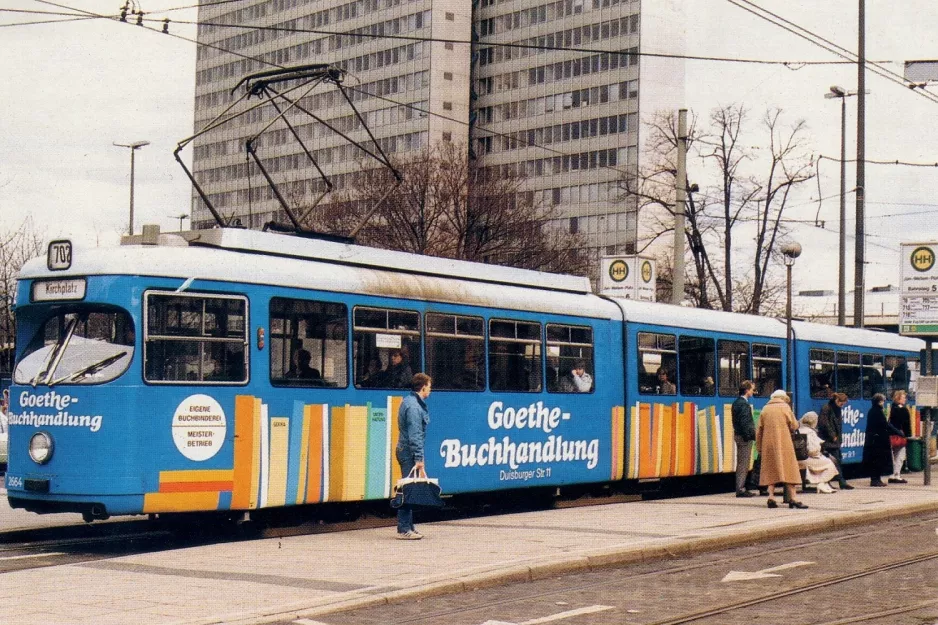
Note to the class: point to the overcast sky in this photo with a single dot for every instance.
(74, 88)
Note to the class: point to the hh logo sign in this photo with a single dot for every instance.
(922, 259)
(618, 271)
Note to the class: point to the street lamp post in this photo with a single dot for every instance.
(843, 94)
(790, 251)
(136, 145)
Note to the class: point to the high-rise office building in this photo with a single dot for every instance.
(560, 105)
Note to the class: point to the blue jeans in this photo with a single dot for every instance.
(405, 515)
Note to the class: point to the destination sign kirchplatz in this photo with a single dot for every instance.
(918, 289)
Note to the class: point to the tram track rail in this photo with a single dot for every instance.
(440, 615)
(831, 581)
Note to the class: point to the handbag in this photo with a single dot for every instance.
(417, 492)
(800, 442)
(896, 441)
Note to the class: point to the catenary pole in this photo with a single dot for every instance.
(677, 280)
(860, 243)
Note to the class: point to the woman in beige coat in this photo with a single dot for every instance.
(773, 440)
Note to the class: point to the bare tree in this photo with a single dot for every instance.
(16, 247)
(722, 146)
(448, 206)
(750, 189)
(789, 165)
(654, 189)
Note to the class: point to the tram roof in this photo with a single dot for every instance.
(755, 325)
(256, 242)
(636, 311)
(838, 335)
(254, 257)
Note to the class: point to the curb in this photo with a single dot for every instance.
(580, 562)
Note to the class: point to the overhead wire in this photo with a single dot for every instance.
(364, 92)
(91, 15)
(58, 17)
(850, 54)
(825, 44)
(796, 64)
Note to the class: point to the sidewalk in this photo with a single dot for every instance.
(310, 576)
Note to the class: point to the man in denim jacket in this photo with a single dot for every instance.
(412, 420)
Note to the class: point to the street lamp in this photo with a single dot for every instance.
(136, 145)
(790, 251)
(843, 94)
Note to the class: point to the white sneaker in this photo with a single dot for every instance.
(825, 488)
(409, 536)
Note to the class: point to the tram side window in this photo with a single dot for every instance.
(514, 356)
(734, 366)
(766, 369)
(900, 374)
(848, 373)
(385, 347)
(308, 343)
(193, 338)
(657, 363)
(821, 367)
(695, 358)
(874, 380)
(456, 352)
(568, 349)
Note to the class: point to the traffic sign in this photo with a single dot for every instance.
(631, 277)
(918, 289)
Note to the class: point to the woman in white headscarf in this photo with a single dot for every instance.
(819, 469)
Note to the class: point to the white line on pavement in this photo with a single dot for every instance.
(33, 555)
(568, 614)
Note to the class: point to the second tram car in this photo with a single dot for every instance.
(235, 370)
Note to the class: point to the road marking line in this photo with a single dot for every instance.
(738, 576)
(48, 554)
(790, 565)
(553, 617)
(568, 614)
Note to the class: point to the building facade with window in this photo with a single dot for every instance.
(553, 91)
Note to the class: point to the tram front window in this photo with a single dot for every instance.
(78, 347)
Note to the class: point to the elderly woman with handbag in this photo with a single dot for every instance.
(877, 449)
(819, 469)
(773, 440)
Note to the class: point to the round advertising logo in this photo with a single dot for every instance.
(922, 259)
(618, 270)
(646, 271)
(199, 427)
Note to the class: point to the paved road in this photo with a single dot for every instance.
(811, 569)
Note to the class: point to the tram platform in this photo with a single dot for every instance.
(297, 578)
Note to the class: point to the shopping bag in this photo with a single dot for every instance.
(417, 492)
(800, 441)
(896, 441)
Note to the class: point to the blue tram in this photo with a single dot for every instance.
(235, 370)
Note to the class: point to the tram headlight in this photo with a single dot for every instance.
(40, 447)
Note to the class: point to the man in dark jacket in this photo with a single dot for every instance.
(744, 433)
(830, 427)
(412, 420)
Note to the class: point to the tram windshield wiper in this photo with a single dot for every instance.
(93, 368)
(55, 354)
